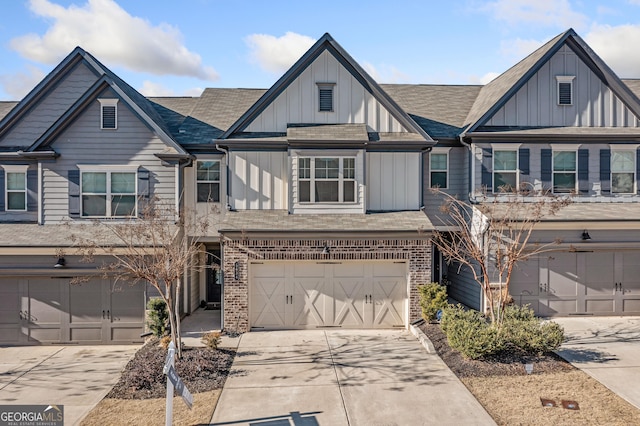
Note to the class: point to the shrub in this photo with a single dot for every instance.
(470, 333)
(157, 317)
(211, 339)
(523, 330)
(433, 297)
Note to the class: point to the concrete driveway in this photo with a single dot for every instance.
(77, 377)
(342, 377)
(606, 348)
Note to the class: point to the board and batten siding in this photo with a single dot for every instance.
(457, 183)
(298, 103)
(258, 180)
(393, 181)
(211, 212)
(535, 104)
(462, 287)
(50, 107)
(83, 142)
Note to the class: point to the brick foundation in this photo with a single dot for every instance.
(243, 250)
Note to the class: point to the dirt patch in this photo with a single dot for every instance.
(513, 397)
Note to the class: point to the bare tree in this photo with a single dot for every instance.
(154, 248)
(492, 234)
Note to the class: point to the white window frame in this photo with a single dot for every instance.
(565, 79)
(108, 103)
(219, 181)
(516, 171)
(15, 169)
(327, 86)
(556, 149)
(340, 179)
(626, 148)
(439, 151)
(108, 194)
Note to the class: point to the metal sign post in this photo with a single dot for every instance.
(174, 381)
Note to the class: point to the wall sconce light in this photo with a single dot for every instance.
(61, 263)
(236, 271)
(585, 236)
(326, 249)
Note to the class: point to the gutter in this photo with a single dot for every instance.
(471, 171)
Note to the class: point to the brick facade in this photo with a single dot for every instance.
(242, 250)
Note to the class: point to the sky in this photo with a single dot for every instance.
(178, 48)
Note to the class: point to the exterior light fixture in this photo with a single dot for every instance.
(236, 271)
(585, 236)
(61, 263)
(326, 249)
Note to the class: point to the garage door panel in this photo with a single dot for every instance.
(389, 300)
(311, 303)
(268, 301)
(348, 298)
(599, 276)
(630, 273)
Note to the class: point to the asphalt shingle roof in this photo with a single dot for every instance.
(5, 107)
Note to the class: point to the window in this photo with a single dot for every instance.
(208, 181)
(565, 89)
(623, 171)
(327, 180)
(325, 97)
(564, 171)
(108, 114)
(439, 169)
(16, 188)
(505, 171)
(108, 194)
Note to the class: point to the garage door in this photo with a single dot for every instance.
(597, 283)
(51, 310)
(328, 294)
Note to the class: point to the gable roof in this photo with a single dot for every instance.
(326, 43)
(495, 94)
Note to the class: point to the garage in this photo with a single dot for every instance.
(300, 294)
(47, 310)
(580, 283)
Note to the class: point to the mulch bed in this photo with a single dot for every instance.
(504, 364)
(201, 369)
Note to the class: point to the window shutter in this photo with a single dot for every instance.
(487, 177)
(545, 167)
(583, 171)
(74, 193)
(605, 170)
(524, 161)
(2, 190)
(32, 190)
(143, 183)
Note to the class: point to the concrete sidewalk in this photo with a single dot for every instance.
(606, 348)
(342, 377)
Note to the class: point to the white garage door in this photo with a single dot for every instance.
(328, 294)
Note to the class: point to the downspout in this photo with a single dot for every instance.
(40, 195)
(228, 195)
(471, 171)
(424, 151)
(228, 180)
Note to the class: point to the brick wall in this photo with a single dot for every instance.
(242, 250)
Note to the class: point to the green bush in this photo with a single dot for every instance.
(469, 332)
(433, 297)
(157, 317)
(522, 329)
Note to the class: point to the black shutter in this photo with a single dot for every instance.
(487, 172)
(74, 193)
(32, 190)
(583, 171)
(523, 161)
(143, 183)
(2, 190)
(545, 167)
(605, 170)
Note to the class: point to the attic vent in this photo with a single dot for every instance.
(108, 113)
(565, 90)
(325, 97)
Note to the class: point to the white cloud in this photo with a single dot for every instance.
(636, 2)
(19, 84)
(277, 54)
(106, 30)
(548, 13)
(152, 89)
(617, 46)
(519, 48)
(386, 73)
(488, 77)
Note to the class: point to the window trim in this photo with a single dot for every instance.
(341, 179)
(627, 148)
(439, 150)
(108, 103)
(564, 148)
(219, 181)
(108, 194)
(15, 169)
(505, 148)
(565, 79)
(326, 86)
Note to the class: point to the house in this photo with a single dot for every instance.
(317, 191)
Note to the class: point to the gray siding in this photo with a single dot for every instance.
(393, 181)
(259, 180)
(462, 287)
(84, 143)
(458, 182)
(51, 107)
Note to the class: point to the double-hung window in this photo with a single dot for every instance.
(208, 181)
(564, 171)
(439, 169)
(505, 170)
(623, 171)
(326, 179)
(108, 193)
(16, 188)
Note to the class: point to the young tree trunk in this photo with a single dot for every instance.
(178, 339)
